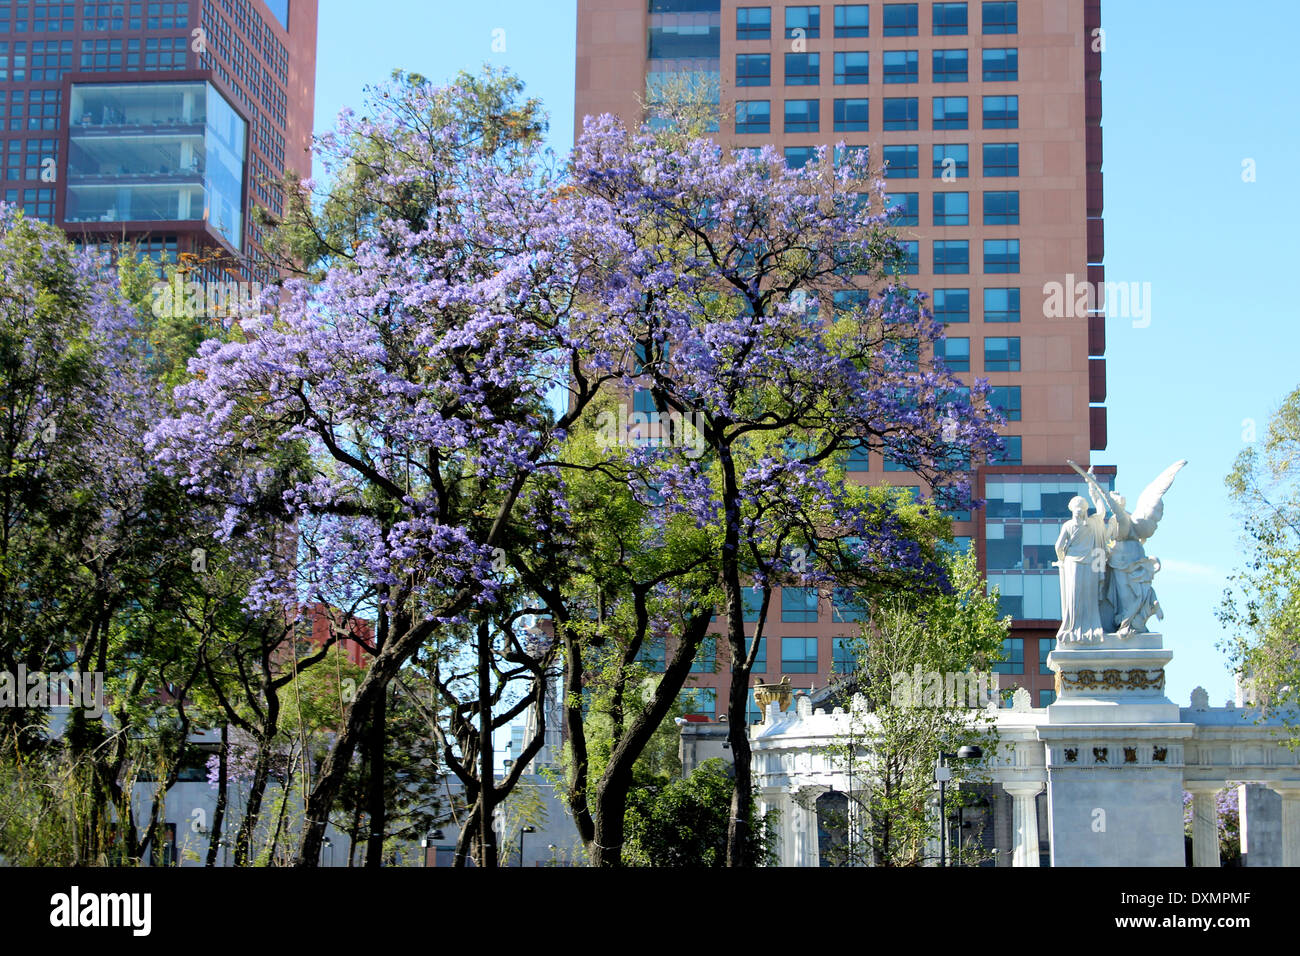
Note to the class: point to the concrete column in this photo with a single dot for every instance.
(1261, 825)
(1024, 822)
(803, 831)
(1290, 793)
(1205, 824)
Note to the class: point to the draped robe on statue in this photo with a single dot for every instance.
(1081, 547)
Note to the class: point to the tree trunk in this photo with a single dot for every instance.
(253, 809)
(375, 807)
(219, 814)
(487, 855)
(740, 824)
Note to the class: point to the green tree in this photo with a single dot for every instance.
(1261, 606)
(894, 741)
(684, 822)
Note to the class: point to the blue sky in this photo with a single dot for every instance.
(1192, 89)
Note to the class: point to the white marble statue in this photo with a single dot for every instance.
(1080, 555)
(1126, 599)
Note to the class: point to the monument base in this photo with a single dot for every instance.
(1114, 746)
(1114, 679)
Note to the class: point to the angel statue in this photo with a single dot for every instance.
(1127, 598)
(1080, 554)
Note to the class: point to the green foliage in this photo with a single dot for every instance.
(1261, 606)
(895, 743)
(684, 822)
(318, 232)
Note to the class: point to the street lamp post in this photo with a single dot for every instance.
(942, 774)
(522, 831)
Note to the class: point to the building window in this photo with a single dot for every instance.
(753, 69)
(859, 457)
(951, 112)
(911, 256)
(852, 300)
(950, 66)
(1001, 305)
(156, 152)
(1001, 112)
(752, 598)
(1013, 653)
(900, 112)
(951, 256)
(844, 658)
(900, 19)
(797, 157)
(955, 353)
(900, 66)
(960, 544)
(706, 656)
(1010, 453)
(754, 23)
(651, 657)
(1002, 353)
(753, 116)
(1002, 208)
(847, 609)
(852, 115)
(760, 659)
(1001, 255)
(952, 209)
(1046, 697)
(1001, 159)
(1045, 646)
(643, 401)
(948, 19)
(950, 161)
(1001, 65)
(851, 20)
(699, 700)
(850, 155)
(852, 68)
(802, 116)
(806, 19)
(999, 17)
(904, 208)
(798, 605)
(901, 162)
(799, 655)
(1006, 399)
(803, 69)
(952, 305)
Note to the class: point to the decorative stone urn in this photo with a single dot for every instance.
(765, 694)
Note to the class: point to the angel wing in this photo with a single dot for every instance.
(1150, 505)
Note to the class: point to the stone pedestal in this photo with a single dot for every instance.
(1114, 756)
(1115, 679)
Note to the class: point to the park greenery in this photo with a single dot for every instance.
(1261, 607)
(326, 552)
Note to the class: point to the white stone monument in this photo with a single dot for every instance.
(1114, 741)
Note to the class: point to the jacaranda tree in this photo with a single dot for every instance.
(720, 272)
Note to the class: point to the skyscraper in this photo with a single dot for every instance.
(157, 123)
(986, 115)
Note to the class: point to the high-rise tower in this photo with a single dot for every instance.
(161, 124)
(988, 116)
